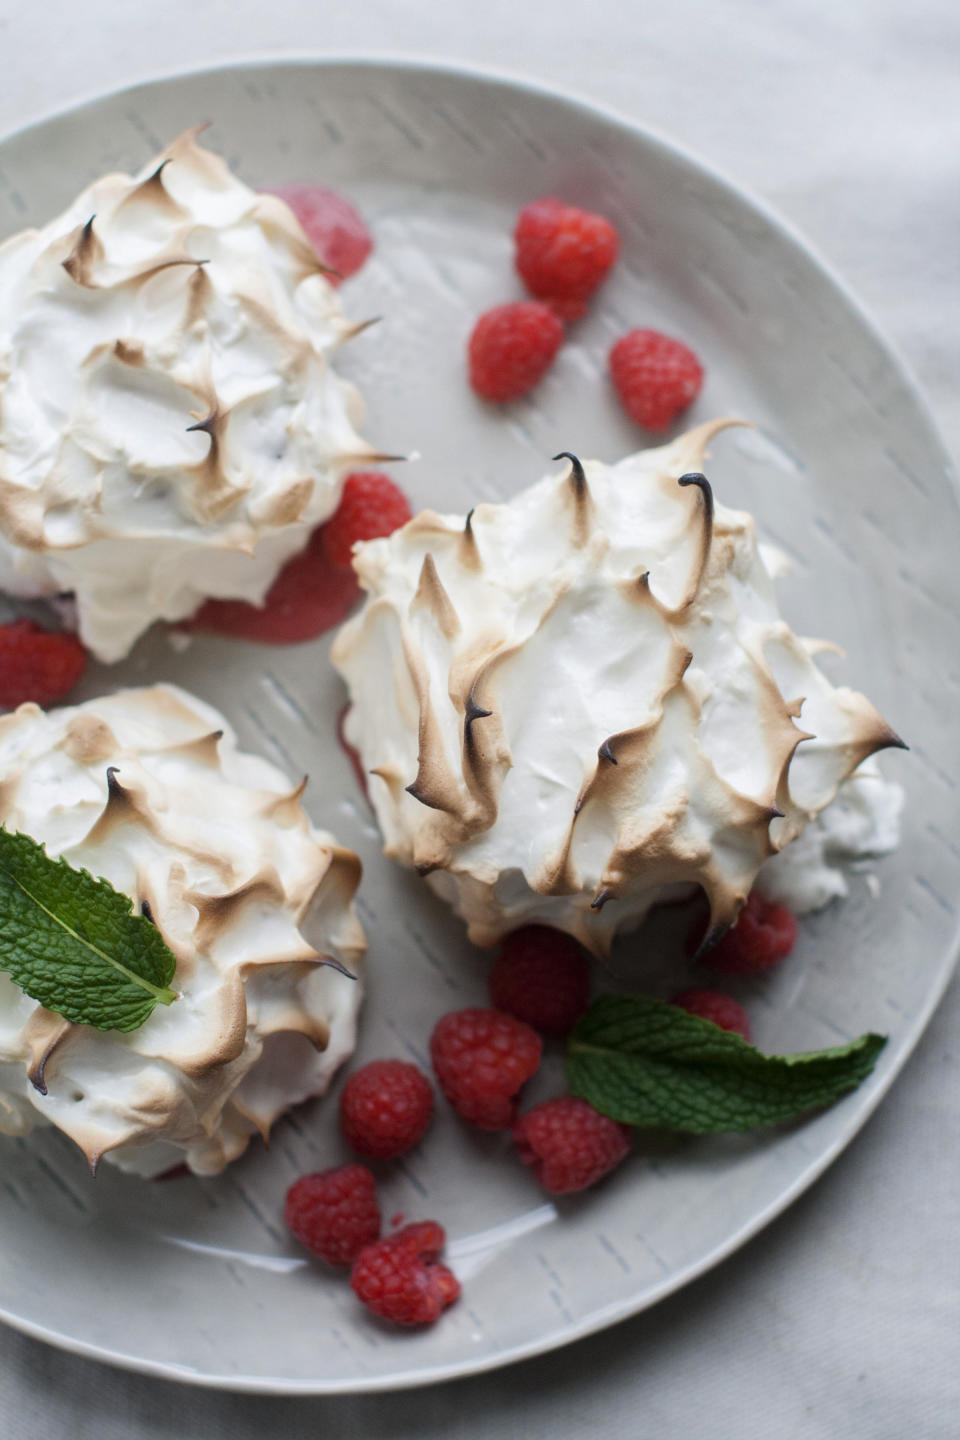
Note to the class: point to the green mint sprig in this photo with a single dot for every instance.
(72, 942)
(644, 1062)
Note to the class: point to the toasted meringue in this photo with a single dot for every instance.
(861, 824)
(579, 702)
(170, 424)
(148, 789)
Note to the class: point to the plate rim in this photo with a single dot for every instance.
(880, 1083)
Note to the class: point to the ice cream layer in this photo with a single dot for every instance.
(577, 701)
(170, 424)
(148, 789)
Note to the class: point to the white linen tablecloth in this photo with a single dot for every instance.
(843, 1318)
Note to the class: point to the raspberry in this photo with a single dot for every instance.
(38, 665)
(712, 1005)
(656, 377)
(334, 1213)
(307, 597)
(763, 935)
(569, 1144)
(481, 1059)
(331, 224)
(385, 1108)
(400, 1278)
(563, 254)
(542, 977)
(371, 506)
(511, 348)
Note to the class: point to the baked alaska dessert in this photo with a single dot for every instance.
(148, 789)
(584, 701)
(171, 427)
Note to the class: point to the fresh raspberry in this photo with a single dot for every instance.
(542, 977)
(655, 376)
(38, 665)
(371, 506)
(334, 1213)
(569, 1144)
(763, 935)
(385, 1108)
(400, 1278)
(712, 1005)
(308, 596)
(481, 1059)
(512, 347)
(563, 254)
(332, 225)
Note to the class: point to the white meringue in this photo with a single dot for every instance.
(170, 424)
(576, 702)
(861, 824)
(247, 894)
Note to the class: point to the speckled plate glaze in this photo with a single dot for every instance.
(196, 1280)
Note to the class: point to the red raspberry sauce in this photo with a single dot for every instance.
(334, 228)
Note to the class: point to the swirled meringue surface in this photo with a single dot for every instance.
(248, 895)
(171, 427)
(576, 703)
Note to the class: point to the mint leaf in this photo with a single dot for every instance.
(71, 941)
(645, 1062)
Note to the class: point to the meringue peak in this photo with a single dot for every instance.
(170, 424)
(216, 853)
(594, 699)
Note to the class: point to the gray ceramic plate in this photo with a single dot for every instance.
(197, 1280)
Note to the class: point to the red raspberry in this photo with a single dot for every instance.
(481, 1058)
(569, 1144)
(385, 1108)
(656, 377)
(542, 977)
(38, 665)
(371, 506)
(334, 1213)
(563, 254)
(400, 1278)
(307, 597)
(712, 1005)
(332, 225)
(512, 347)
(763, 935)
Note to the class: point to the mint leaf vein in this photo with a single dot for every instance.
(72, 942)
(646, 1063)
